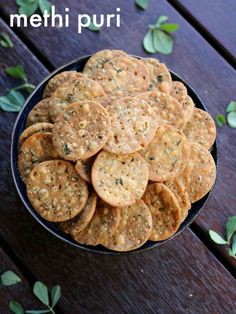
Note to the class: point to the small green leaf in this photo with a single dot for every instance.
(37, 311)
(230, 227)
(12, 102)
(55, 294)
(231, 106)
(230, 253)
(231, 119)
(45, 5)
(16, 308)
(142, 4)
(41, 292)
(233, 248)
(25, 2)
(9, 278)
(162, 41)
(169, 28)
(161, 20)
(5, 40)
(220, 120)
(16, 72)
(29, 9)
(216, 237)
(148, 42)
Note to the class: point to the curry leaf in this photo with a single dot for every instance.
(5, 40)
(142, 4)
(9, 278)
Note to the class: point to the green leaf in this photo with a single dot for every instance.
(25, 2)
(162, 42)
(230, 227)
(231, 106)
(16, 72)
(29, 9)
(16, 307)
(142, 4)
(5, 40)
(9, 278)
(169, 28)
(161, 20)
(12, 102)
(231, 119)
(216, 237)
(55, 294)
(45, 5)
(220, 120)
(41, 292)
(233, 248)
(148, 42)
(37, 311)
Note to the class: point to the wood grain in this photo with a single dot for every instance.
(193, 58)
(217, 17)
(21, 292)
(182, 276)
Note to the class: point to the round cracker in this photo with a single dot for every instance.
(56, 191)
(58, 80)
(80, 222)
(179, 190)
(165, 211)
(84, 168)
(167, 154)
(81, 130)
(133, 126)
(96, 63)
(37, 148)
(103, 224)
(124, 76)
(168, 110)
(201, 128)
(134, 229)
(178, 91)
(78, 90)
(119, 179)
(200, 173)
(160, 78)
(188, 106)
(39, 113)
(35, 128)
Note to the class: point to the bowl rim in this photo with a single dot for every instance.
(47, 225)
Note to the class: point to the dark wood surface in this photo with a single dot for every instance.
(217, 17)
(182, 276)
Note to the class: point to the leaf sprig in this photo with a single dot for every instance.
(14, 99)
(29, 7)
(159, 36)
(5, 40)
(231, 116)
(230, 236)
(142, 4)
(9, 278)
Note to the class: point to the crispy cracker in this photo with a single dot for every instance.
(41, 127)
(119, 179)
(39, 113)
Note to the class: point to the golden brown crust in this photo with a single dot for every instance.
(81, 130)
(160, 78)
(200, 173)
(70, 92)
(103, 224)
(56, 191)
(39, 113)
(168, 110)
(35, 128)
(133, 126)
(84, 168)
(167, 154)
(134, 229)
(119, 179)
(165, 211)
(36, 149)
(178, 91)
(201, 128)
(59, 79)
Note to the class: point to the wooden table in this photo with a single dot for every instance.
(190, 274)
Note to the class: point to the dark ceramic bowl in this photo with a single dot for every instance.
(34, 98)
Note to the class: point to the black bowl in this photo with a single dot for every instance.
(34, 98)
